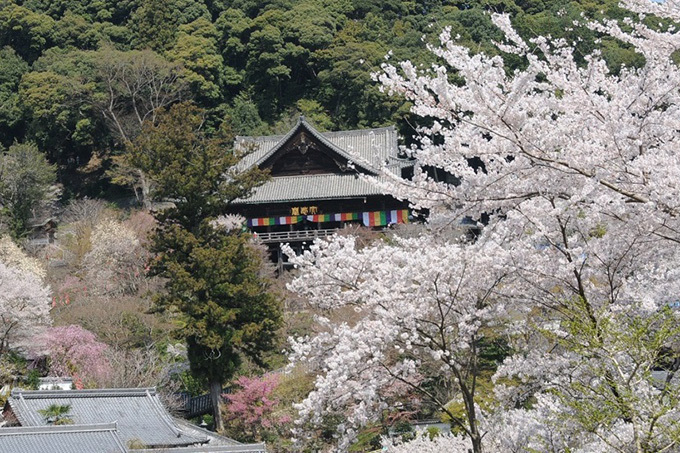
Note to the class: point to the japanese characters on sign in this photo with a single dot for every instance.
(304, 210)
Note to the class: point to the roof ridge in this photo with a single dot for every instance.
(318, 175)
(31, 419)
(366, 130)
(245, 448)
(85, 393)
(112, 426)
(347, 154)
(340, 132)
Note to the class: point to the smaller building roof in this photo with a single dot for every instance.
(62, 439)
(214, 439)
(139, 413)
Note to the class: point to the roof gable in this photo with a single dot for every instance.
(367, 149)
(304, 155)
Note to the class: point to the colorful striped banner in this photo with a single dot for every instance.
(374, 218)
(268, 221)
(382, 218)
(320, 218)
(398, 216)
(346, 216)
(342, 217)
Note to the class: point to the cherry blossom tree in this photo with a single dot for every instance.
(24, 307)
(423, 317)
(251, 409)
(74, 351)
(11, 255)
(576, 177)
(423, 443)
(116, 263)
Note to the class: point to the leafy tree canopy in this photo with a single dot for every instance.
(278, 54)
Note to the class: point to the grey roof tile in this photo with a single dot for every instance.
(242, 448)
(311, 187)
(197, 431)
(138, 412)
(62, 439)
(373, 146)
(369, 149)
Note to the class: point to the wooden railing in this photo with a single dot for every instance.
(193, 406)
(198, 405)
(294, 236)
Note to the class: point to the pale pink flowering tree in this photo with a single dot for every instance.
(74, 351)
(580, 176)
(424, 443)
(116, 263)
(13, 256)
(24, 307)
(423, 314)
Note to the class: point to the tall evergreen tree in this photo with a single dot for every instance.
(214, 283)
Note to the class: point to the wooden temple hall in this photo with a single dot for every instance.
(315, 187)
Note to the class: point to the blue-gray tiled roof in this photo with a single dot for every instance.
(370, 149)
(311, 187)
(139, 414)
(61, 439)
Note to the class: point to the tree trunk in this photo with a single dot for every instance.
(145, 186)
(216, 398)
(476, 442)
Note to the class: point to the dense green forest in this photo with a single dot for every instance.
(78, 78)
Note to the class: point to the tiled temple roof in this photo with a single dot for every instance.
(62, 439)
(368, 149)
(139, 413)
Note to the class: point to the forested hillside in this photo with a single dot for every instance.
(79, 77)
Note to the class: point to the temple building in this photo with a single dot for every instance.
(316, 185)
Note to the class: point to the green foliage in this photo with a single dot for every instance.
(191, 384)
(12, 68)
(315, 112)
(433, 431)
(196, 49)
(215, 287)
(213, 277)
(244, 117)
(155, 23)
(26, 181)
(255, 64)
(57, 96)
(190, 167)
(57, 414)
(32, 380)
(27, 32)
(368, 439)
